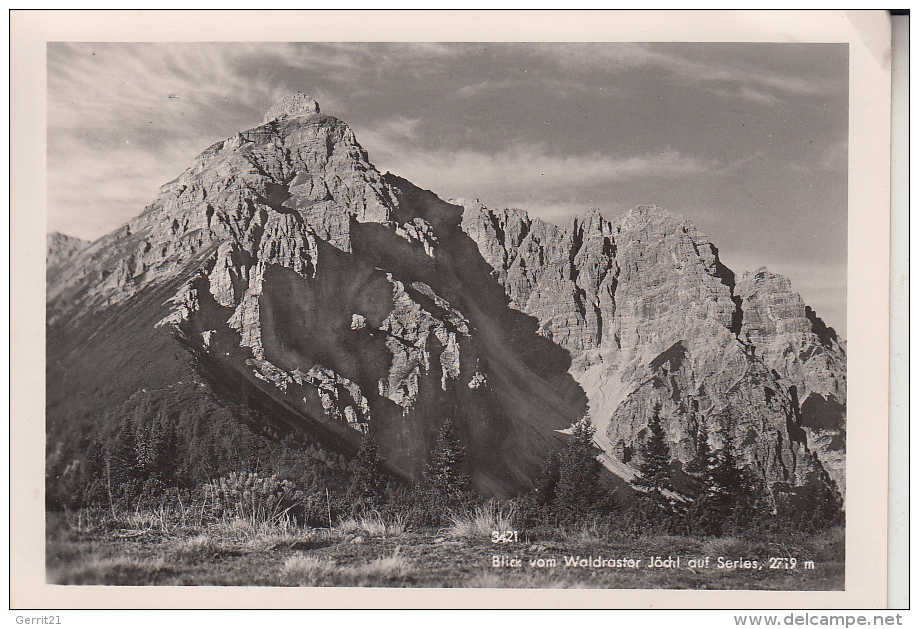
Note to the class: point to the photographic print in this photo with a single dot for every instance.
(452, 314)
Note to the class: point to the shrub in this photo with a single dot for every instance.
(255, 498)
(485, 518)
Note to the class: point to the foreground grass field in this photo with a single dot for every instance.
(146, 549)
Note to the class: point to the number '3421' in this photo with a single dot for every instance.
(503, 537)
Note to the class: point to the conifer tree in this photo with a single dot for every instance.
(825, 502)
(444, 474)
(123, 469)
(547, 482)
(367, 476)
(727, 492)
(166, 453)
(655, 458)
(655, 472)
(95, 460)
(157, 454)
(579, 472)
(124, 464)
(701, 471)
(703, 457)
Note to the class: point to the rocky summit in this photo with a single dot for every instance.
(283, 265)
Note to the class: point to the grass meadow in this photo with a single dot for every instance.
(181, 546)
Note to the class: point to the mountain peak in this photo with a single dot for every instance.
(644, 215)
(650, 210)
(292, 106)
(61, 247)
(296, 268)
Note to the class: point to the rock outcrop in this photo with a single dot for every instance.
(337, 292)
(361, 303)
(650, 315)
(292, 106)
(810, 359)
(62, 247)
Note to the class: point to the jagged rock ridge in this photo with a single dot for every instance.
(362, 303)
(650, 314)
(347, 296)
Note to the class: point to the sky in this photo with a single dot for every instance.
(747, 141)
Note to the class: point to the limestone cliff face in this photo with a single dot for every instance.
(794, 343)
(339, 293)
(361, 303)
(650, 315)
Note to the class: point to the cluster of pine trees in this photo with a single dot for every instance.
(714, 495)
(445, 489)
(720, 495)
(138, 461)
(148, 460)
(569, 485)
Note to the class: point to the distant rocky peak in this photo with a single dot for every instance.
(62, 247)
(761, 274)
(641, 215)
(591, 221)
(292, 106)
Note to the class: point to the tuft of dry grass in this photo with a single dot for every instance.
(396, 566)
(200, 546)
(251, 529)
(589, 533)
(488, 517)
(87, 520)
(725, 547)
(543, 580)
(373, 525)
(157, 519)
(248, 535)
(306, 570)
(293, 538)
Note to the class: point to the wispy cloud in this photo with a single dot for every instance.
(748, 94)
(722, 78)
(831, 158)
(96, 189)
(124, 119)
(472, 89)
(399, 128)
(524, 167)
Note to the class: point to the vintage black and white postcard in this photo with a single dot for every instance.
(544, 301)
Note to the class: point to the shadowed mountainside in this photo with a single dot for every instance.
(283, 267)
